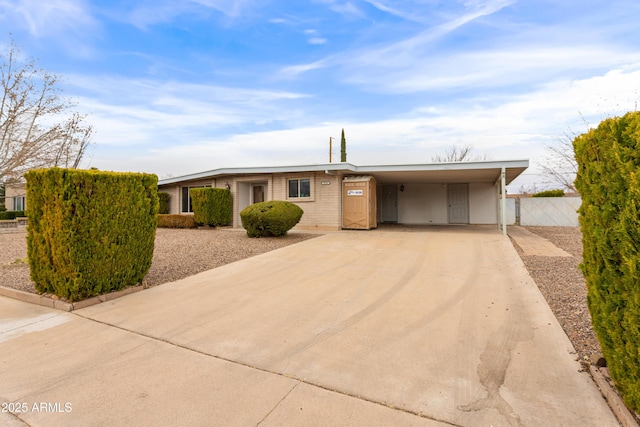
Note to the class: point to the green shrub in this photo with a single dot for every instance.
(90, 232)
(212, 206)
(163, 203)
(273, 218)
(608, 180)
(7, 215)
(549, 193)
(12, 214)
(176, 221)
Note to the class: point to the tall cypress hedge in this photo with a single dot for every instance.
(212, 206)
(609, 182)
(90, 232)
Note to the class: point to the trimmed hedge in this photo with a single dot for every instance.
(212, 206)
(163, 203)
(90, 232)
(11, 214)
(608, 180)
(272, 218)
(549, 193)
(176, 221)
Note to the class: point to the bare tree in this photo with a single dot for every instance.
(458, 154)
(36, 127)
(559, 165)
(528, 189)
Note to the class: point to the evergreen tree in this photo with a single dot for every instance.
(343, 148)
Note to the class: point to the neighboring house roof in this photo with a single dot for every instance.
(483, 171)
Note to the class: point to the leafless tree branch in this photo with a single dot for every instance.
(36, 127)
(458, 154)
(559, 165)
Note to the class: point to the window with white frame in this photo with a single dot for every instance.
(18, 203)
(299, 187)
(186, 198)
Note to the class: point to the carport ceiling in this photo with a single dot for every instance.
(445, 173)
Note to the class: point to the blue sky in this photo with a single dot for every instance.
(183, 86)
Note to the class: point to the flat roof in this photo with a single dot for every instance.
(454, 172)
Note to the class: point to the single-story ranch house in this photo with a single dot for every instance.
(335, 196)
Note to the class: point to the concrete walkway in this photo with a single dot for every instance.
(532, 244)
(433, 327)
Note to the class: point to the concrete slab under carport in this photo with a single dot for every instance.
(442, 323)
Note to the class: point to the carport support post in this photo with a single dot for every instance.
(503, 206)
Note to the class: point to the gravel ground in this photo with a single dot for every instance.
(563, 286)
(181, 253)
(178, 253)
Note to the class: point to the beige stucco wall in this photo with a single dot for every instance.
(322, 211)
(427, 204)
(11, 191)
(422, 204)
(483, 208)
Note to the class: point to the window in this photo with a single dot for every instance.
(299, 188)
(18, 203)
(186, 198)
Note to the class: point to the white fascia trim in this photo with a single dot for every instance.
(259, 170)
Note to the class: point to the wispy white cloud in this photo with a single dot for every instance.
(404, 53)
(130, 112)
(399, 53)
(186, 138)
(67, 22)
(295, 70)
(348, 9)
(313, 37)
(500, 67)
(231, 8)
(47, 18)
(501, 126)
(409, 15)
(147, 13)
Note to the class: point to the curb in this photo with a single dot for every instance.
(615, 402)
(47, 301)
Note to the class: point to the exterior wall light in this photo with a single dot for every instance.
(401, 187)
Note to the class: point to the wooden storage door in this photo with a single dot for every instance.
(359, 203)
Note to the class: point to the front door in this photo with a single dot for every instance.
(390, 203)
(258, 193)
(458, 196)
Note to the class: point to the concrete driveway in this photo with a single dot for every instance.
(437, 326)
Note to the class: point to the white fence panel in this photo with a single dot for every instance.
(550, 211)
(511, 211)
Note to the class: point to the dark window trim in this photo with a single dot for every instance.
(296, 191)
(182, 197)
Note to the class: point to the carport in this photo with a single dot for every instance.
(444, 193)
